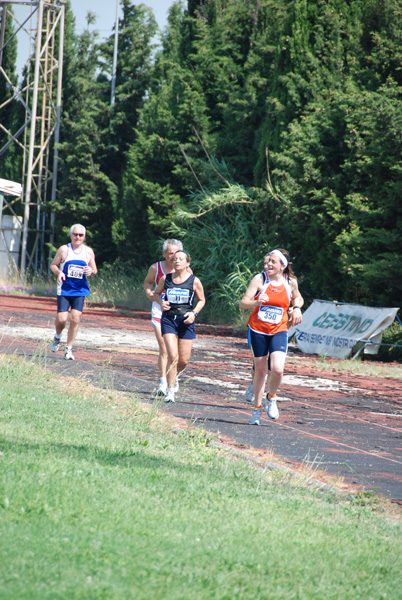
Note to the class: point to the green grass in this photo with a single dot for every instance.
(99, 499)
(120, 285)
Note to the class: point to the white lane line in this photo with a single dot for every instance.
(385, 414)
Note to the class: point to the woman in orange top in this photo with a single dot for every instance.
(270, 295)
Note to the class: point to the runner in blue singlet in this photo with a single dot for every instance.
(72, 265)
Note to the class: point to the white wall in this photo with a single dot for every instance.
(10, 242)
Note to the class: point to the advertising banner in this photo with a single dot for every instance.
(333, 328)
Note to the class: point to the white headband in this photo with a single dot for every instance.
(281, 257)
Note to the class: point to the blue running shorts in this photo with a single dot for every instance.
(64, 303)
(174, 324)
(261, 344)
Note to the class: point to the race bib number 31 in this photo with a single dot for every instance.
(177, 296)
(270, 314)
(75, 271)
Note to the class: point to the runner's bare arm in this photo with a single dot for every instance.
(249, 302)
(297, 303)
(199, 292)
(58, 259)
(158, 294)
(149, 282)
(91, 269)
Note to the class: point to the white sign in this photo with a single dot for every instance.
(10, 187)
(333, 328)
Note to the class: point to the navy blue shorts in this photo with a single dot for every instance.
(64, 303)
(174, 324)
(261, 344)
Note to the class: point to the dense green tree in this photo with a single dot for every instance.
(337, 161)
(10, 160)
(136, 33)
(157, 175)
(234, 54)
(84, 190)
(204, 87)
(370, 243)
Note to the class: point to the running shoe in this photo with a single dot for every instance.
(169, 396)
(68, 354)
(55, 345)
(176, 385)
(256, 417)
(271, 408)
(161, 391)
(249, 393)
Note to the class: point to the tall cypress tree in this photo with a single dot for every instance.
(157, 176)
(11, 163)
(337, 158)
(84, 190)
(136, 33)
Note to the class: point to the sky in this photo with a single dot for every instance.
(105, 11)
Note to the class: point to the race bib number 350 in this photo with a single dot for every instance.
(75, 271)
(270, 314)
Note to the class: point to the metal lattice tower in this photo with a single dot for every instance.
(38, 136)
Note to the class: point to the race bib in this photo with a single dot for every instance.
(75, 271)
(270, 314)
(177, 296)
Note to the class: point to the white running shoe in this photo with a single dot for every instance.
(55, 345)
(256, 417)
(68, 354)
(249, 393)
(162, 389)
(271, 408)
(169, 396)
(176, 385)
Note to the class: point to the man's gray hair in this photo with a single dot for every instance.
(172, 242)
(77, 225)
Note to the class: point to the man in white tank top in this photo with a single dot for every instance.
(155, 273)
(73, 264)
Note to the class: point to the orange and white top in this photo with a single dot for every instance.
(272, 318)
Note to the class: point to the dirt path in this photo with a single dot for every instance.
(345, 425)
